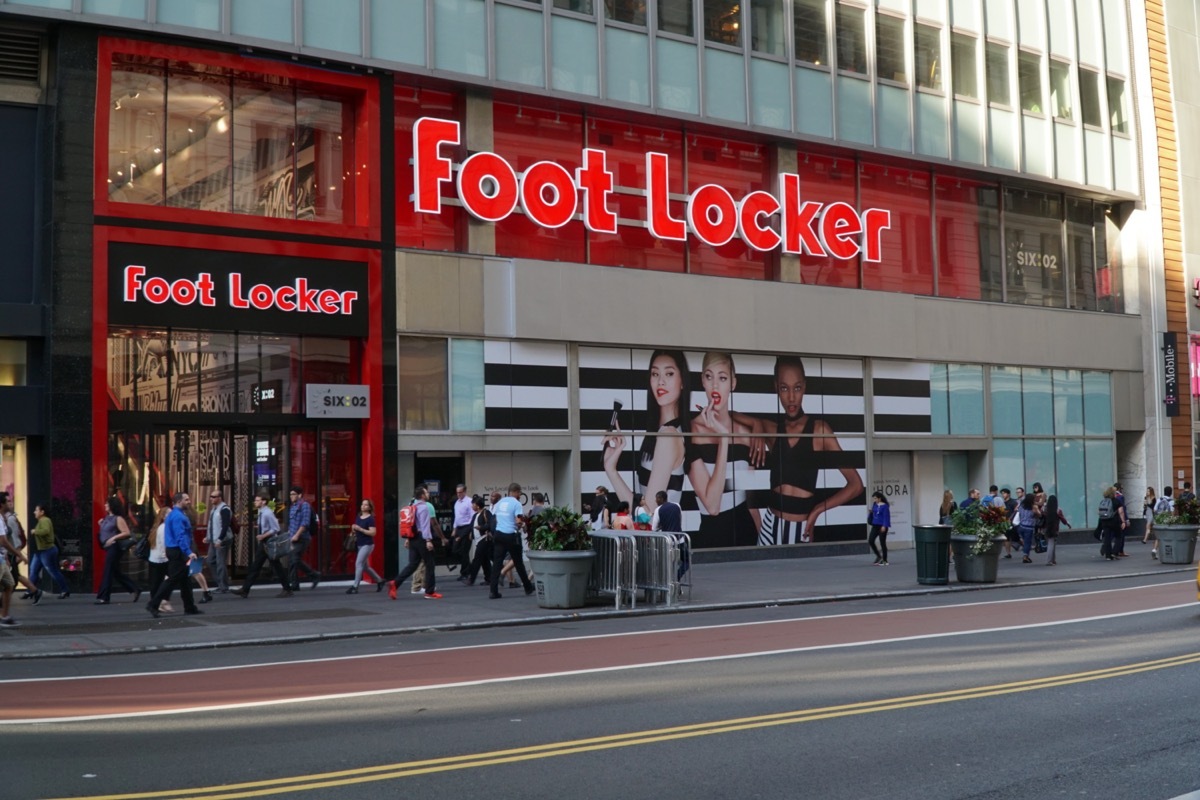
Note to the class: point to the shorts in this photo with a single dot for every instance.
(6, 576)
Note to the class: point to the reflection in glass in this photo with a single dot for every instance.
(996, 73)
(323, 165)
(198, 166)
(1029, 81)
(1006, 401)
(1039, 464)
(1089, 97)
(1008, 464)
(264, 138)
(1037, 403)
(1097, 404)
(578, 6)
(889, 49)
(675, 16)
(1118, 113)
(1081, 254)
(1060, 90)
(12, 362)
(1068, 402)
(467, 385)
(965, 389)
(939, 400)
(723, 22)
(1071, 481)
(631, 12)
(326, 360)
(137, 98)
(217, 370)
(962, 62)
(768, 27)
(423, 368)
(1033, 246)
(970, 264)
(1100, 468)
(927, 56)
(851, 40)
(811, 37)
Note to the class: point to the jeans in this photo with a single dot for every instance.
(297, 565)
(113, 574)
(48, 560)
(1026, 539)
(877, 532)
(504, 544)
(362, 563)
(418, 553)
(216, 563)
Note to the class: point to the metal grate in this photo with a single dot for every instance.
(20, 55)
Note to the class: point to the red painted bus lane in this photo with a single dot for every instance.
(82, 697)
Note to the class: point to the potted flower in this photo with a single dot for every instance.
(1176, 532)
(560, 551)
(978, 532)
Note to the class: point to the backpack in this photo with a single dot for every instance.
(1163, 506)
(1107, 510)
(408, 521)
(16, 533)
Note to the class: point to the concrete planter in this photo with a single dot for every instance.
(1176, 543)
(970, 568)
(561, 576)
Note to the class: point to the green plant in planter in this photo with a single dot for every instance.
(1186, 512)
(559, 528)
(983, 522)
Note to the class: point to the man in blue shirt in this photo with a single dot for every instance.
(177, 537)
(420, 548)
(300, 515)
(507, 540)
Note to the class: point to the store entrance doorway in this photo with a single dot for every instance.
(148, 467)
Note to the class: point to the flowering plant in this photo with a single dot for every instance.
(1185, 512)
(559, 528)
(983, 522)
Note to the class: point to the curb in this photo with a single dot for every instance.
(598, 614)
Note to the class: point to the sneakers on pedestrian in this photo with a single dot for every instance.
(286, 593)
(37, 598)
(530, 589)
(352, 590)
(9, 622)
(316, 579)
(392, 592)
(417, 591)
(883, 563)
(431, 595)
(152, 609)
(242, 593)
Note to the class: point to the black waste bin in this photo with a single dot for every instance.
(933, 554)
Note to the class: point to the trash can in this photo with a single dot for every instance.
(933, 554)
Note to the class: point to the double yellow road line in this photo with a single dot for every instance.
(408, 769)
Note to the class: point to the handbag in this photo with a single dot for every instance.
(142, 548)
(278, 546)
(351, 542)
(1039, 543)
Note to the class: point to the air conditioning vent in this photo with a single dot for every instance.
(20, 55)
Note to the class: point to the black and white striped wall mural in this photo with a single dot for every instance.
(525, 386)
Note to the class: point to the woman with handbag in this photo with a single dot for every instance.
(364, 531)
(114, 530)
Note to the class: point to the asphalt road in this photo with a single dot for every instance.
(1062, 691)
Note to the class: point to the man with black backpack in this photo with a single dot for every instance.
(220, 536)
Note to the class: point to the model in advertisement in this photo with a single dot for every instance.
(719, 449)
(795, 505)
(660, 458)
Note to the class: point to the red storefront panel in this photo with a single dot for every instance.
(739, 169)
(523, 136)
(625, 146)
(959, 237)
(828, 180)
(444, 231)
(907, 252)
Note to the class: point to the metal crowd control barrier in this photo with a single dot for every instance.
(615, 569)
(663, 561)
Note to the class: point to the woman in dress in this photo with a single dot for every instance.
(660, 458)
(795, 506)
(364, 539)
(114, 528)
(718, 450)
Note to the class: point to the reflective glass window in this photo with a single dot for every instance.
(264, 139)
(996, 73)
(927, 56)
(631, 12)
(1006, 401)
(1097, 404)
(137, 101)
(741, 169)
(675, 16)
(1039, 464)
(1068, 402)
(578, 6)
(467, 385)
(768, 27)
(889, 49)
(963, 50)
(327, 360)
(939, 400)
(851, 39)
(1029, 81)
(906, 263)
(723, 22)
(1037, 404)
(1033, 247)
(828, 180)
(965, 385)
(1089, 98)
(13, 362)
(811, 36)
(444, 231)
(423, 379)
(198, 146)
(1008, 463)
(1081, 254)
(968, 237)
(1099, 465)
(1060, 90)
(1118, 111)
(1110, 285)
(1070, 480)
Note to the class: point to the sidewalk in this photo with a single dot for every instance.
(73, 627)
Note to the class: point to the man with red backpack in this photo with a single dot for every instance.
(417, 535)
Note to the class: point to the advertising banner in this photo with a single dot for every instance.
(756, 449)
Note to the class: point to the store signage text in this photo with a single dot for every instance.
(295, 297)
(1030, 258)
(338, 400)
(1170, 348)
(490, 189)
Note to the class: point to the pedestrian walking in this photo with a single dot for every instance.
(7, 582)
(418, 540)
(364, 530)
(46, 559)
(463, 534)
(269, 545)
(114, 529)
(177, 536)
(1054, 519)
(219, 538)
(1112, 523)
(1165, 505)
(481, 524)
(880, 520)
(1123, 512)
(157, 560)
(300, 523)
(508, 540)
(17, 538)
(1027, 519)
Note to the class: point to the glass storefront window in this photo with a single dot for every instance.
(1070, 480)
(217, 371)
(962, 63)
(1008, 463)
(889, 49)
(137, 97)
(1089, 98)
(1097, 404)
(1081, 254)
(327, 360)
(264, 139)
(1037, 403)
(811, 37)
(467, 385)
(13, 360)
(965, 391)
(1099, 466)
(423, 380)
(323, 165)
(996, 73)
(1039, 464)
(198, 139)
(1006, 401)
(851, 39)
(1068, 402)
(1110, 285)
(1033, 245)
(968, 237)
(939, 400)
(1029, 81)
(675, 16)
(927, 56)
(906, 263)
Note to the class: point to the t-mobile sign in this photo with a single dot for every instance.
(149, 285)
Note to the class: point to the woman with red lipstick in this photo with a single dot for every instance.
(795, 463)
(719, 449)
(660, 458)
